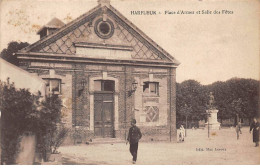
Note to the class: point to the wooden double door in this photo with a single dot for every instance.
(104, 115)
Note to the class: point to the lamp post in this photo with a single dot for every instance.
(133, 89)
(134, 85)
(187, 111)
(208, 115)
(130, 92)
(83, 83)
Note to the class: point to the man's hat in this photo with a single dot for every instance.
(133, 121)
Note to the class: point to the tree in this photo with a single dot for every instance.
(233, 97)
(186, 111)
(191, 94)
(22, 112)
(236, 96)
(18, 116)
(8, 53)
(49, 137)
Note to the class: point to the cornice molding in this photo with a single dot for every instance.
(48, 57)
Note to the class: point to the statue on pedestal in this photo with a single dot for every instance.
(211, 104)
(212, 113)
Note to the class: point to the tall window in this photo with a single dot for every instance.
(53, 86)
(151, 88)
(104, 85)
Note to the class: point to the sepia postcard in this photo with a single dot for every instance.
(129, 82)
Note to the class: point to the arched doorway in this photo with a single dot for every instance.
(104, 108)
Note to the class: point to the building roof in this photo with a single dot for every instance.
(54, 23)
(65, 28)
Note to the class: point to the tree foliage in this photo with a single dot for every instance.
(232, 97)
(18, 116)
(8, 53)
(236, 96)
(48, 134)
(191, 100)
(23, 112)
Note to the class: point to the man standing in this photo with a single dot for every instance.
(182, 133)
(255, 127)
(238, 129)
(134, 136)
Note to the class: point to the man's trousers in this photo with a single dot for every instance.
(133, 150)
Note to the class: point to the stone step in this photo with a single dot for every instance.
(106, 140)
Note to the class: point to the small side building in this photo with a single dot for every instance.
(22, 79)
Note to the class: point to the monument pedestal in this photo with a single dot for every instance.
(213, 119)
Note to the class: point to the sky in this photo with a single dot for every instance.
(211, 47)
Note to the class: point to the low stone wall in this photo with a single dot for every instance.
(27, 150)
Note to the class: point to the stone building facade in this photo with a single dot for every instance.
(106, 71)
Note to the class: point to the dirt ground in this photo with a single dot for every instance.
(221, 148)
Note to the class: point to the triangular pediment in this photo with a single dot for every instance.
(82, 30)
